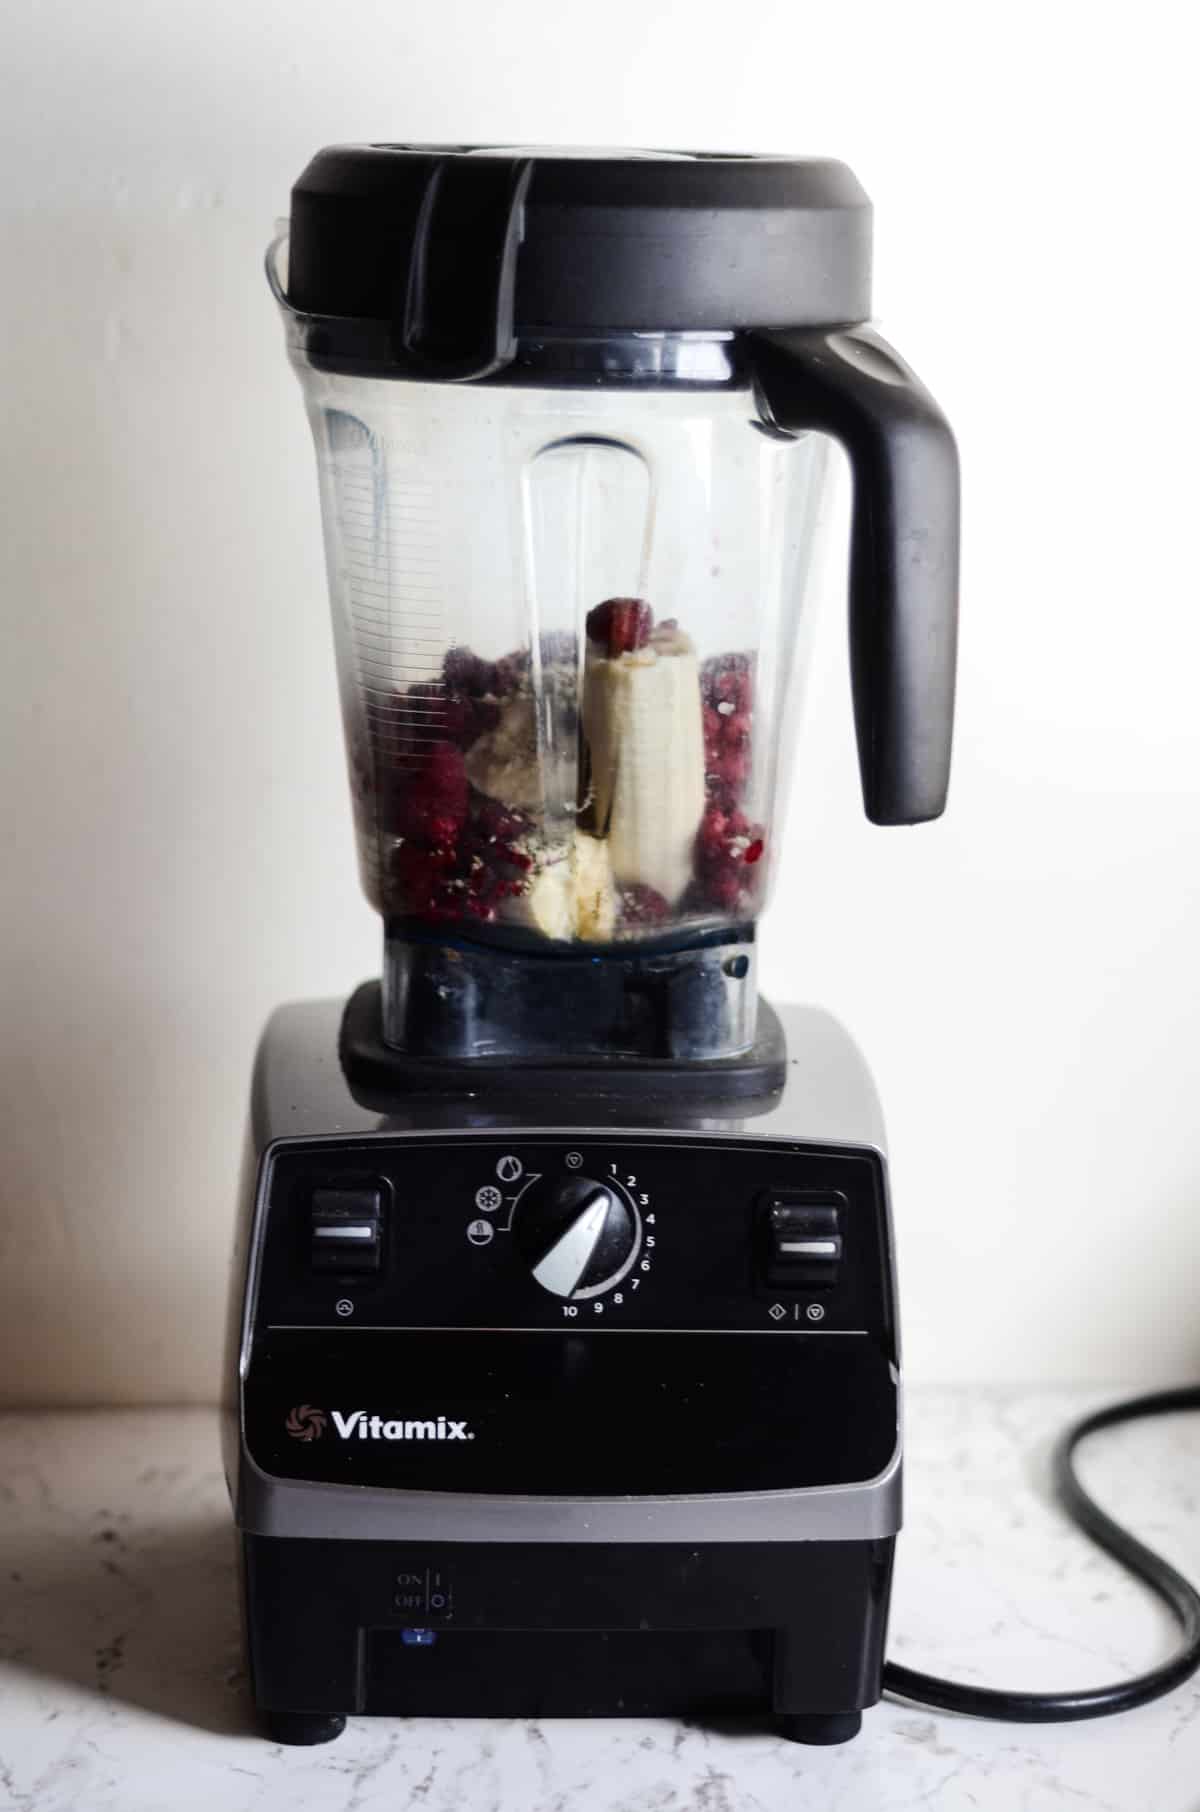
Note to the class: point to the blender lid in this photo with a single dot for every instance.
(458, 252)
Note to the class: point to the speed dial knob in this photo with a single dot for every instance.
(578, 1237)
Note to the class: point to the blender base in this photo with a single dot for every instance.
(375, 1068)
(464, 1492)
(783, 1636)
(456, 998)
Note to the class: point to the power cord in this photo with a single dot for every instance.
(1177, 1593)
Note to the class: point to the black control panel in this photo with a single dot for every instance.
(572, 1314)
(483, 1231)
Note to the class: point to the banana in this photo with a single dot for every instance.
(595, 897)
(641, 717)
(504, 763)
(571, 896)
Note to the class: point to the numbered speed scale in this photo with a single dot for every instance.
(563, 1373)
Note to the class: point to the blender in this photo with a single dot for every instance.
(564, 1368)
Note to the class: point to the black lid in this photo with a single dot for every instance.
(434, 260)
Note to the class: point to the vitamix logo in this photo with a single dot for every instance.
(306, 1424)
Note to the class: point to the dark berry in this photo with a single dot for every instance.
(465, 671)
(733, 766)
(641, 905)
(621, 625)
(724, 888)
(711, 839)
(433, 793)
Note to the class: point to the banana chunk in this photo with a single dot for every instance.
(641, 718)
(571, 896)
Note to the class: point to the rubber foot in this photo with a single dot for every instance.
(819, 1727)
(301, 1729)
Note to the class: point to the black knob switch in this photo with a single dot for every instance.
(578, 1237)
(347, 1228)
(803, 1240)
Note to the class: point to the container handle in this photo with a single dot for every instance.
(849, 383)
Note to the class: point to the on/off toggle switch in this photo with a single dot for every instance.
(347, 1228)
(803, 1241)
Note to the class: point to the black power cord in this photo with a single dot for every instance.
(1177, 1593)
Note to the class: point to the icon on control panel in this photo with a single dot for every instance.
(509, 1168)
(344, 1306)
(480, 1232)
(815, 1311)
(574, 1160)
(488, 1199)
(777, 1311)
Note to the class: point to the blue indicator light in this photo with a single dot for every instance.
(418, 1638)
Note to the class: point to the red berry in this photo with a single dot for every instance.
(419, 874)
(621, 624)
(733, 766)
(642, 905)
(710, 840)
(735, 731)
(433, 794)
(713, 725)
(467, 672)
(444, 778)
(724, 888)
(496, 822)
(754, 853)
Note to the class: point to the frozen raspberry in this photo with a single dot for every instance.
(727, 683)
(418, 875)
(733, 767)
(431, 802)
(735, 731)
(465, 671)
(496, 831)
(642, 905)
(465, 720)
(444, 778)
(754, 850)
(711, 839)
(442, 830)
(724, 888)
(621, 624)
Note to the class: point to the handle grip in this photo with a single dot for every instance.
(849, 383)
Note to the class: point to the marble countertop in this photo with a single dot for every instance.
(121, 1689)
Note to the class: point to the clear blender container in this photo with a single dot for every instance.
(567, 563)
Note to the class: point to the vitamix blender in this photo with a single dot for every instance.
(566, 1369)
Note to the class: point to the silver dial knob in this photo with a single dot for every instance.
(579, 1237)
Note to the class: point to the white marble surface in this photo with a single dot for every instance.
(120, 1685)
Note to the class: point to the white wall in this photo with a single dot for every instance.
(176, 844)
